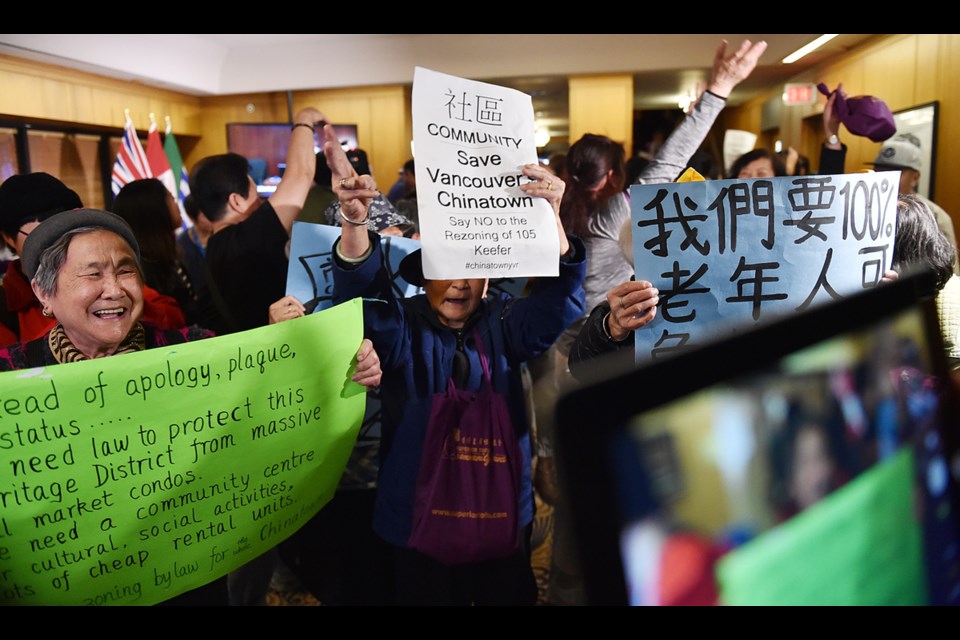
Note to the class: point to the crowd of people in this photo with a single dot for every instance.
(91, 284)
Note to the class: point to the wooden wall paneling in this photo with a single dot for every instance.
(791, 128)
(19, 91)
(811, 139)
(890, 73)
(389, 139)
(947, 186)
(927, 74)
(34, 89)
(602, 105)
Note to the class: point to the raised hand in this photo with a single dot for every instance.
(831, 119)
(728, 72)
(354, 191)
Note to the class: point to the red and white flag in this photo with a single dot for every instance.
(158, 160)
(131, 163)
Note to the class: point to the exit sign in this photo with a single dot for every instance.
(799, 93)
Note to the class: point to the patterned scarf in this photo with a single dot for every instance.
(64, 351)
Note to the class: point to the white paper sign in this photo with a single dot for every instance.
(735, 144)
(472, 140)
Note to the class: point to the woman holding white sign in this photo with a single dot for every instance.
(454, 494)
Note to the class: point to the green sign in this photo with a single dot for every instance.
(861, 545)
(131, 479)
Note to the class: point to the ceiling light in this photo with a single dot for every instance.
(804, 50)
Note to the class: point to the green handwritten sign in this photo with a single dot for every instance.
(131, 479)
(861, 545)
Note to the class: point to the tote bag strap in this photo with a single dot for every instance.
(484, 363)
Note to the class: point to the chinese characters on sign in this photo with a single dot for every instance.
(472, 140)
(310, 272)
(728, 254)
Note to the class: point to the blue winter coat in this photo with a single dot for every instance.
(416, 355)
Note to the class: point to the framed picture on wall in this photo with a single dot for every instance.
(920, 123)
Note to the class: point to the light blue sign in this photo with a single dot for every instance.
(729, 254)
(310, 280)
(310, 274)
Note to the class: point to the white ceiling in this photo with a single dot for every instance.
(666, 65)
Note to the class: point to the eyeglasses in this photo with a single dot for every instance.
(27, 233)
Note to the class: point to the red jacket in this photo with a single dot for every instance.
(159, 311)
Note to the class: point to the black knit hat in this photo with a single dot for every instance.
(56, 225)
(33, 197)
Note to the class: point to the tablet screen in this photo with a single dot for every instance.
(819, 478)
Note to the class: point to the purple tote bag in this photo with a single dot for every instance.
(468, 486)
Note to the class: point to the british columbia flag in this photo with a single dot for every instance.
(131, 163)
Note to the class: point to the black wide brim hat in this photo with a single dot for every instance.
(53, 228)
(411, 268)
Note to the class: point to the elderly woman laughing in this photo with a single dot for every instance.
(84, 267)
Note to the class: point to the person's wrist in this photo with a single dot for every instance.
(355, 260)
(610, 333)
(310, 118)
(719, 90)
(357, 223)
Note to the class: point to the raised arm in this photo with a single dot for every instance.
(833, 153)
(727, 73)
(355, 193)
(292, 191)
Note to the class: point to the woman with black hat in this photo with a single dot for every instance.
(446, 345)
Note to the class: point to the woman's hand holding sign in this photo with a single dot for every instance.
(549, 187)
(632, 305)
